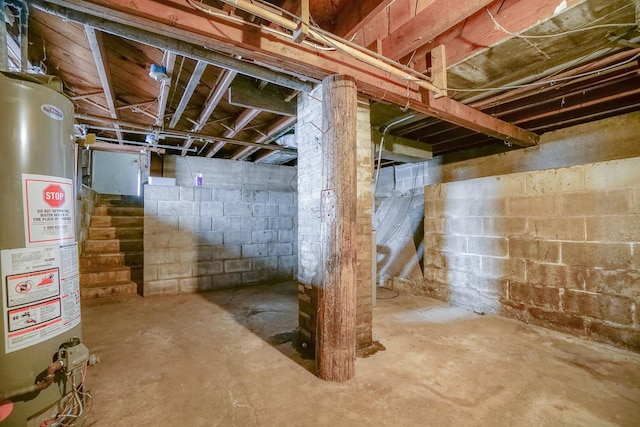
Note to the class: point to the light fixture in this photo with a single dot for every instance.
(158, 73)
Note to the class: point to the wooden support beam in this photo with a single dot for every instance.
(430, 22)
(241, 121)
(99, 51)
(470, 118)
(401, 149)
(169, 63)
(277, 128)
(301, 33)
(336, 338)
(194, 80)
(242, 93)
(439, 69)
(170, 16)
(222, 84)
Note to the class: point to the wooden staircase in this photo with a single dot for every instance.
(112, 260)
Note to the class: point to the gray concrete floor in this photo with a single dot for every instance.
(211, 360)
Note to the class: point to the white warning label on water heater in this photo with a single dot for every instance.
(48, 209)
(40, 293)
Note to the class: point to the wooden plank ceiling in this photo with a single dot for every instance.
(515, 69)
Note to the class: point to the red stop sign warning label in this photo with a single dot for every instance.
(53, 195)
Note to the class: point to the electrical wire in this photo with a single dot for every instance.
(551, 82)
(562, 33)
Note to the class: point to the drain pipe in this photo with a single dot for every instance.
(24, 34)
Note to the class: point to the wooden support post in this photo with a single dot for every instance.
(336, 329)
(439, 69)
(301, 33)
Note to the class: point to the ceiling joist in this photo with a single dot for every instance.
(298, 58)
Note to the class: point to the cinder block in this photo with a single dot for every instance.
(280, 223)
(288, 210)
(207, 268)
(195, 194)
(435, 259)
(613, 174)
(156, 224)
(279, 249)
(224, 223)
(557, 228)
(150, 208)
(535, 250)
(251, 224)
(255, 250)
(451, 208)
(209, 238)
(609, 256)
(280, 198)
(175, 209)
(435, 225)
(285, 236)
(487, 207)
(555, 181)
(238, 209)
(532, 206)
(161, 256)
(266, 210)
(265, 263)
(174, 270)
(488, 246)
(213, 209)
(623, 283)
(263, 236)
(226, 195)
(636, 200)
(503, 227)
(464, 189)
(226, 252)
(541, 296)
(468, 226)
(196, 254)
(255, 196)
(161, 287)
(465, 263)
(161, 192)
(237, 237)
(220, 281)
(237, 265)
(503, 185)
(556, 319)
(598, 306)
(619, 228)
(617, 335)
(510, 268)
(555, 275)
(150, 272)
(194, 284)
(445, 243)
(589, 203)
(435, 192)
(254, 276)
(195, 223)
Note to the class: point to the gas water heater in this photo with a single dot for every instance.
(42, 358)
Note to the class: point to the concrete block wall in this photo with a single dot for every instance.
(364, 219)
(400, 245)
(234, 230)
(309, 134)
(559, 248)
